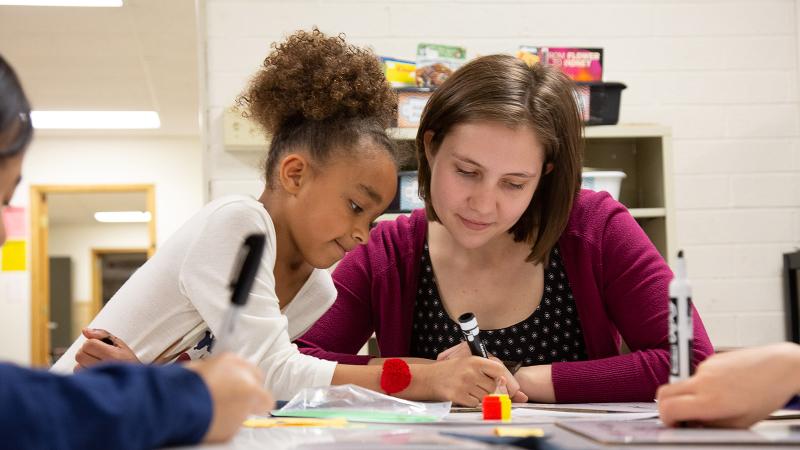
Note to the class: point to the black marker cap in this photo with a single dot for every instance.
(253, 248)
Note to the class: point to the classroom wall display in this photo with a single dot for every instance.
(399, 72)
(435, 63)
(410, 103)
(580, 64)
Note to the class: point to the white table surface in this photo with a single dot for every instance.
(401, 436)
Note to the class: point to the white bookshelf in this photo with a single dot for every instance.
(644, 153)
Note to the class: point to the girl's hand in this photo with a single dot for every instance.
(519, 397)
(94, 350)
(465, 381)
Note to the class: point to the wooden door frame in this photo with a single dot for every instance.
(40, 271)
(97, 277)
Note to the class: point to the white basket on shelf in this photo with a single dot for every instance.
(603, 180)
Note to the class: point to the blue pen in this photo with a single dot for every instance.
(244, 274)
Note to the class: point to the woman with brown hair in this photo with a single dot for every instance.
(556, 276)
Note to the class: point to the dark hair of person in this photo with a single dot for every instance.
(318, 93)
(503, 89)
(16, 129)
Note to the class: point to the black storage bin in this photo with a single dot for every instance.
(604, 100)
(791, 291)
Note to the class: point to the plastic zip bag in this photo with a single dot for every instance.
(359, 404)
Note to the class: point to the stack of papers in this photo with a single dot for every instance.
(539, 413)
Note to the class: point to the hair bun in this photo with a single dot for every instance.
(311, 76)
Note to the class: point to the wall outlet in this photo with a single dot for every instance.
(240, 134)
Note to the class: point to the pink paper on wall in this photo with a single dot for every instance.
(14, 219)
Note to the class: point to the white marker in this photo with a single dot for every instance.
(681, 333)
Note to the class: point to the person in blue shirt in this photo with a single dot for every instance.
(112, 406)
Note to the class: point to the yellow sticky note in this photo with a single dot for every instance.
(13, 256)
(280, 422)
(518, 432)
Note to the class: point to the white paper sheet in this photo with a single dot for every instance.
(532, 416)
(14, 287)
(627, 407)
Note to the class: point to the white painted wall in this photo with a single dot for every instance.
(173, 165)
(77, 242)
(722, 74)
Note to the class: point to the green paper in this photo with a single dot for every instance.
(355, 415)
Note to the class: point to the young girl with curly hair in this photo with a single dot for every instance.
(330, 172)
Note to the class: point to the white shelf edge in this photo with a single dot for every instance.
(625, 130)
(629, 130)
(648, 213)
(402, 134)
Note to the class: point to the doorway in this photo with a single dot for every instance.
(111, 268)
(68, 239)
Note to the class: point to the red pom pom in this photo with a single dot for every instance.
(395, 376)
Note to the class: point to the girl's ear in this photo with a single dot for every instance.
(548, 168)
(293, 171)
(427, 138)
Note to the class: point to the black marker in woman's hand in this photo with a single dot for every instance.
(469, 326)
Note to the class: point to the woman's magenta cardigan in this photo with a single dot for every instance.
(619, 282)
